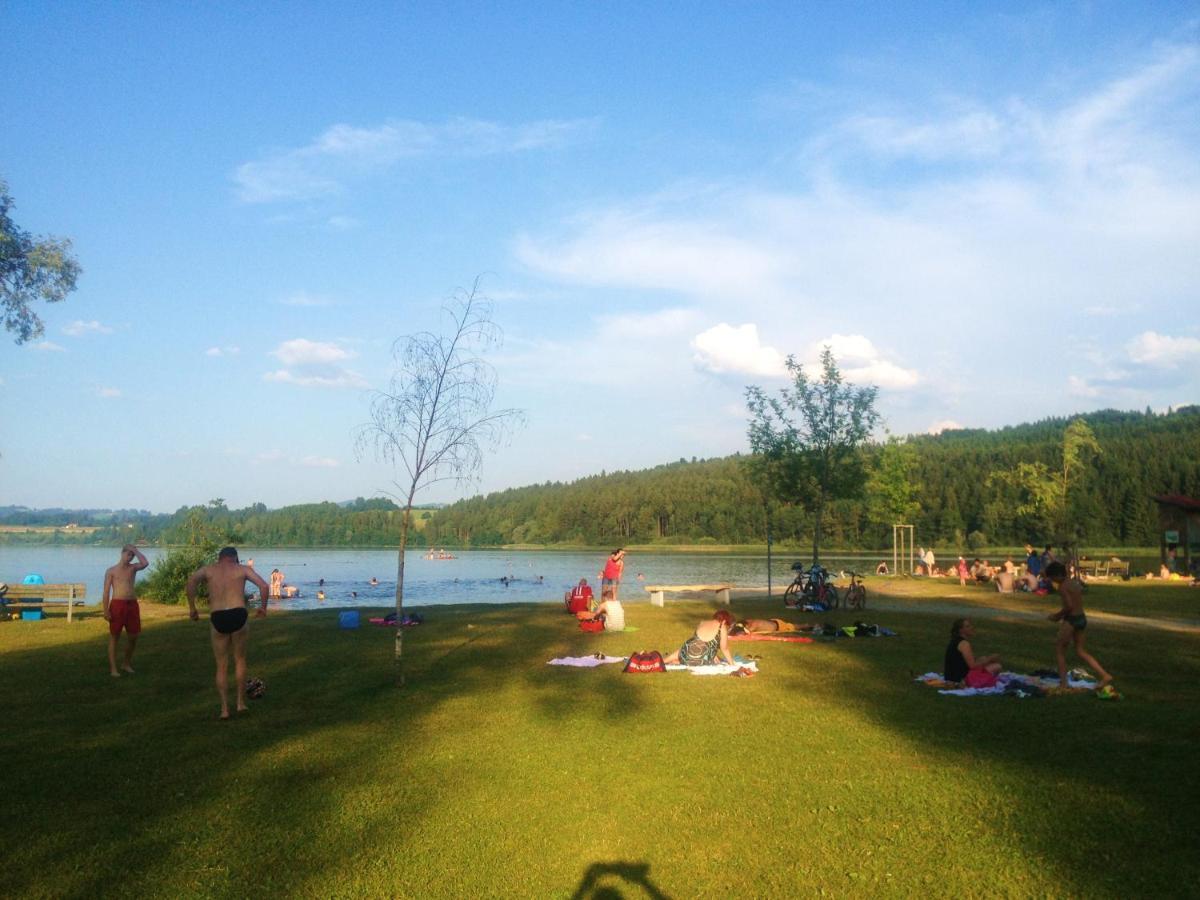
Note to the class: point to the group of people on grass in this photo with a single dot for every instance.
(580, 600)
(962, 666)
(228, 617)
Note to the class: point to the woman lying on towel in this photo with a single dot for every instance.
(762, 626)
(962, 666)
(709, 643)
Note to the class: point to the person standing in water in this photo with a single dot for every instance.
(119, 602)
(226, 581)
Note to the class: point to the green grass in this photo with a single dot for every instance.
(492, 774)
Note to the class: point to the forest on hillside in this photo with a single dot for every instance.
(714, 501)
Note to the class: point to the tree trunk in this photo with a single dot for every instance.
(404, 523)
(818, 515)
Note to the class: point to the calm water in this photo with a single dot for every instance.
(474, 577)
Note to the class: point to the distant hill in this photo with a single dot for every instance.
(711, 501)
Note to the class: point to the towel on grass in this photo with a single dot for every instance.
(789, 638)
(585, 662)
(1002, 685)
(715, 668)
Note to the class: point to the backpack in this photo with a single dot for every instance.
(596, 624)
(644, 662)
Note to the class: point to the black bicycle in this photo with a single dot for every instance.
(811, 586)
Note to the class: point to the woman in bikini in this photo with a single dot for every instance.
(708, 644)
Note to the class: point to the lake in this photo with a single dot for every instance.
(538, 576)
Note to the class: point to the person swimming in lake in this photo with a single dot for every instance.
(961, 666)
(374, 581)
(708, 644)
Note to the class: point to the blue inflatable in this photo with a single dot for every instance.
(33, 579)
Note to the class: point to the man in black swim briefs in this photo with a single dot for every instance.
(226, 581)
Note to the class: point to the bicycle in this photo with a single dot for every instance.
(856, 594)
(811, 585)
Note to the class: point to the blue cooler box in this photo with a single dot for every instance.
(348, 618)
(32, 615)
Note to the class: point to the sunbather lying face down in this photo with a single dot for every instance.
(761, 626)
(708, 644)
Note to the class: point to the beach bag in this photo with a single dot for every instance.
(644, 662)
(591, 625)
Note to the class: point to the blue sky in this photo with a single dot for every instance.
(992, 211)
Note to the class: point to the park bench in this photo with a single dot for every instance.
(43, 596)
(656, 591)
(1090, 568)
(1117, 568)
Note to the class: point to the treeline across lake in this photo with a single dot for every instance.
(958, 504)
(705, 502)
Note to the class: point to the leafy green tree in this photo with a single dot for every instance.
(891, 490)
(30, 270)
(435, 418)
(809, 439)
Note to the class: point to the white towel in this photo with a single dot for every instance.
(585, 662)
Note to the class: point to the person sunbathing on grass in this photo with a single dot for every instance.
(762, 626)
(708, 643)
(962, 666)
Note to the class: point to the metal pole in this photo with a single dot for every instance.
(767, 508)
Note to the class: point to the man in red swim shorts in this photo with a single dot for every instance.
(119, 602)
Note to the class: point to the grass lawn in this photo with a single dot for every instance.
(493, 774)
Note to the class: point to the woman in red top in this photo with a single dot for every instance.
(611, 576)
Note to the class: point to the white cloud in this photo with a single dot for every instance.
(108, 392)
(303, 298)
(728, 348)
(301, 352)
(48, 347)
(860, 362)
(944, 425)
(1153, 349)
(78, 328)
(314, 364)
(319, 462)
(222, 351)
(340, 378)
(345, 152)
(953, 235)
(646, 326)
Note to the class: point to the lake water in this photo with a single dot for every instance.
(474, 577)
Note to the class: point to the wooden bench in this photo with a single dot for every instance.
(1090, 568)
(656, 591)
(41, 596)
(1116, 568)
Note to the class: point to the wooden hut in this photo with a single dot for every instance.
(1179, 528)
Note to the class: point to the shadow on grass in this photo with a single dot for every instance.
(613, 881)
(1094, 792)
(275, 801)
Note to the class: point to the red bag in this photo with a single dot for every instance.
(591, 625)
(646, 661)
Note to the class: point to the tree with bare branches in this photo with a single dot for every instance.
(435, 419)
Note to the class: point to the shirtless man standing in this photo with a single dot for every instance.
(120, 606)
(227, 611)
